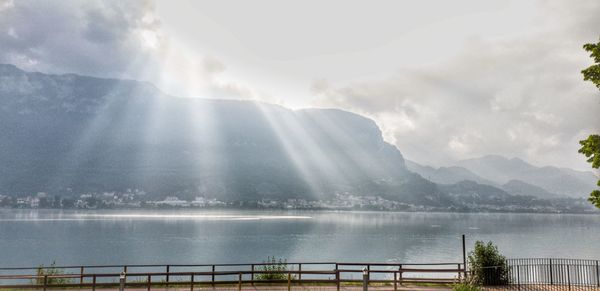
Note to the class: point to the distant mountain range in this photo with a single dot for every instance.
(69, 134)
(514, 176)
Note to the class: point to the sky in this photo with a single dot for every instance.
(445, 80)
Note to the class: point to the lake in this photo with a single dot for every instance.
(34, 237)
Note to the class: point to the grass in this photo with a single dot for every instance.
(465, 287)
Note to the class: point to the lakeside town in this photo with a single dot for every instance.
(135, 198)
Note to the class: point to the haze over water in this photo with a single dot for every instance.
(34, 237)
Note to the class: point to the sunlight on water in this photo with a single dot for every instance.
(144, 216)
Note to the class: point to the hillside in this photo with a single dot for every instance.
(555, 180)
(71, 135)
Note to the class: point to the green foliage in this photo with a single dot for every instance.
(590, 147)
(487, 265)
(465, 287)
(592, 73)
(50, 271)
(276, 269)
(595, 197)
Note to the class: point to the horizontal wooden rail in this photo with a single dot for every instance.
(219, 265)
(226, 274)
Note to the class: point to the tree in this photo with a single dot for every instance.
(592, 73)
(590, 147)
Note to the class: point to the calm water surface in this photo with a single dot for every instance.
(34, 237)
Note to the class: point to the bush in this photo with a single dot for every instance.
(487, 265)
(276, 270)
(464, 287)
(50, 271)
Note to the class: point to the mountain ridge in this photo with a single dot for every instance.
(70, 135)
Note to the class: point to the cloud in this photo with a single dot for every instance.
(87, 37)
(517, 96)
(513, 89)
(117, 39)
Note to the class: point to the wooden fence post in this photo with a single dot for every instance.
(240, 282)
(45, 282)
(149, 282)
(337, 277)
(289, 281)
(213, 275)
(366, 278)
(400, 274)
(94, 283)
(300, 272)
(192, 282)
(252, 275)
(81, 275)
(168, 269)
(395, 281)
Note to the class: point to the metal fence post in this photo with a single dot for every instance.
(94, 283)
(551, 274)
(240, 282)
(192, 282)
(518, 278)
(149, 281)
(597, 275)
(568, 277)
(365, 279)
(464, 250)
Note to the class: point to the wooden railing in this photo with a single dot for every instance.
(326, 273)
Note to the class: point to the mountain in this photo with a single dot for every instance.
(518, 187)
(446, 175)
(66, 134)
(469, 192)
(560, 181)
(456, 174)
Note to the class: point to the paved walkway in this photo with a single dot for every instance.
(541, 288)
(263, 288)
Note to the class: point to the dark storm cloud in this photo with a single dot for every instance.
(86, 37)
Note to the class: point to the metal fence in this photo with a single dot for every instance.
(567, 273)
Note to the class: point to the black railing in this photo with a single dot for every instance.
(544, 271)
